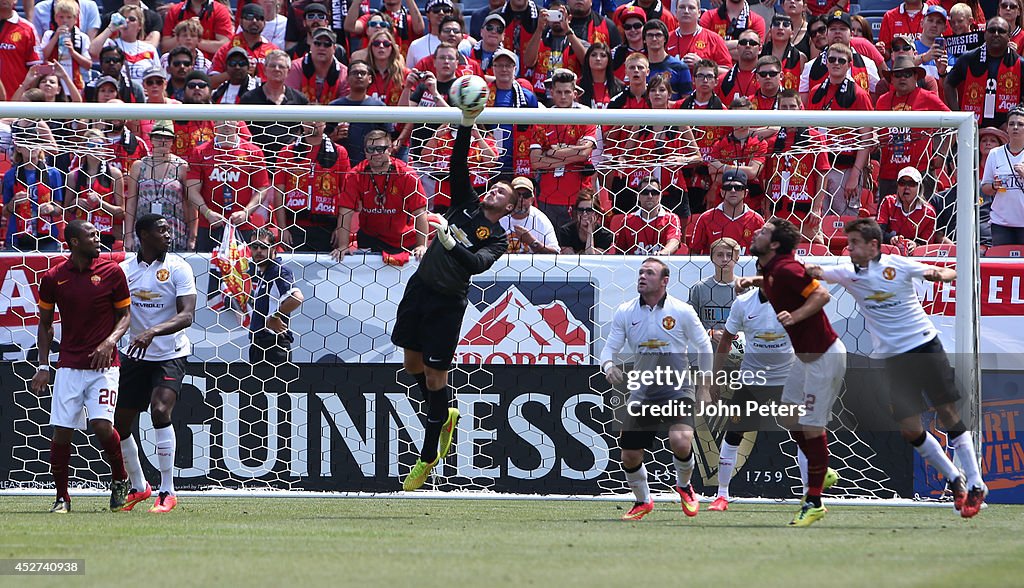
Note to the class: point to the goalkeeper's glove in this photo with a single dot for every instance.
(443, 232)
(469, 117)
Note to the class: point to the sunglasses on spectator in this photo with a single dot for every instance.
(323, 44)
(382, 44)
(705, 77)
(316, 16)
(451, 30)
(817, 31)
(153, 81)
(906, 183)
(441, 10)
(733, 188)
(179, 63)
(649, 192)
(358, 73)
(997, 31)
(839, 60)
(1008, 6)
(380, 24)
(585, 209)
(494, 28)
(783, 24)
(253, 17)
(238, 63)
(768, 74)
(748, 43)
(901, 47)
(200, 85)
(112, 60)
(904, 73)
(260, 246)
(376, 148)
(633, 27)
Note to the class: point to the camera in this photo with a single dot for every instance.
(554, 15)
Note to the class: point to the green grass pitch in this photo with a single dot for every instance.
(312, 542)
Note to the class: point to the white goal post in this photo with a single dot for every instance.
(962, 125)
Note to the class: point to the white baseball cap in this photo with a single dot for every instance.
(910, 172)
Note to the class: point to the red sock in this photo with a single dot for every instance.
(112, 447)
(816, 450)
(801, 441)
(60, 456)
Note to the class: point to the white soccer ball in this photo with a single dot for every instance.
(469, 93)
(739, 345)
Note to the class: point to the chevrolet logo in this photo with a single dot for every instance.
(770, 336)
(879, 296)
(145, 295)
(653, 344)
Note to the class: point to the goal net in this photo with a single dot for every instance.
(538, 416)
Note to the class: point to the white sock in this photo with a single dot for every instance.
(726, 464)
(130, 453)
(638, 484)
(165, 444)
(933, 453)
(964, 446)
(801, 460)
(684, 469)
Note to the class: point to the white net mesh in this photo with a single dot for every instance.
(537, 415)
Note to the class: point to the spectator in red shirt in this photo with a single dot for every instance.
(739, 81)
(318, 75)
(654, 9)
(780, 45)
(741, 150)
(904, 19)
(17, 47)
(561, 153)
(732, 218)
(388, 196)
(698, 179)
(405, 22)
(768, 72)
(731, 19)
(250, 39)
(903, 146)
(692, 42)
(650, 229)
(631, 21)
(213, 15)
(907, 220)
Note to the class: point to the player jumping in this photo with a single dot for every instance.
(815, 379)
(658, 329)
(468, 240)
(92, 296)
(163, 290)
(915, 362)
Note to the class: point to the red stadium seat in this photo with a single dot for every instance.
(1005, 251)
(832, 226)
(812, 249)
(936, 250)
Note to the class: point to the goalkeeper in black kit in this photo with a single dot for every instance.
(467, 241)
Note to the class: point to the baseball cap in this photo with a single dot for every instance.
(506, 53)
(164, 128)
(315, 8)
(494, 16)
(105, 80)
(253, 10)
(523, 183)
(325, 32)
(734, 176)
(236, 51)
(433, 3)
(154, 72)
(999, 134)
(910, 172)
(627, 12)
(839, 16)
(930, 9)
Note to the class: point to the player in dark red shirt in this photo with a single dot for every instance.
(814, 381)
(92, 295)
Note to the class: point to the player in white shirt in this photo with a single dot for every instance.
(915, 362)
(163, 293)
(657, 329)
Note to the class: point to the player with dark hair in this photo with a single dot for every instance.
(815, 379)
(915, 362)
(92, 296)
(656, 330)
(468, 240)
(163, 296)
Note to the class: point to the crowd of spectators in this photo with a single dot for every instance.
(648, 189)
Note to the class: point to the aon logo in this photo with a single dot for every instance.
(219, 175)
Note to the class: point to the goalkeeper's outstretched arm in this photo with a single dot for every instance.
(462, 188)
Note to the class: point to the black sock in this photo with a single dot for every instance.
(421, 381)
(956, 430)
(734, 438)
(437, 414)
(919, 441)
(631, 470)
(814, 500)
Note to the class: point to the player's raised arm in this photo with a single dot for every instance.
(939, 274)
(462, 188)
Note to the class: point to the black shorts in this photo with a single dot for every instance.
(919, 379)
(429, 322)
(762, 395)
(639, 432)
(140, 377)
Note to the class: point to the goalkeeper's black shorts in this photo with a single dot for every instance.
(429, 322)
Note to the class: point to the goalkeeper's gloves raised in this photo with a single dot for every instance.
(442, 232)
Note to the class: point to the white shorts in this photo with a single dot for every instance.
(78, 393)
(816, 385)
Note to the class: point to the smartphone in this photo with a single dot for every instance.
(941, 42)
(554, 16)
(45, 69)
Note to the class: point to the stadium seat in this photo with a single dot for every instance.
(812, 249)
(832, 226)
(936, 250)
(1005, 251)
